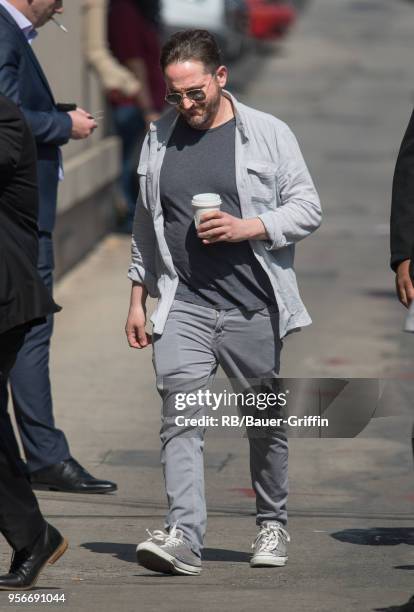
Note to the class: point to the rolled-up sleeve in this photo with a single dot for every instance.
(142, 268)
(299, 211)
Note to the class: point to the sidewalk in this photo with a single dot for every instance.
(351, 515)
(351, 502)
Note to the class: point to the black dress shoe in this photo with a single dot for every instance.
(71, 477)
(27, 564)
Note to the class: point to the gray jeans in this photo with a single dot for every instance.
(186, 356)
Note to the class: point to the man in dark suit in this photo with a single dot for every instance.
(402, 216)
(24, 303)
(22, 79)
(402, 226)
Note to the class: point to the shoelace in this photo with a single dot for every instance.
(173, 538)
(268, 538)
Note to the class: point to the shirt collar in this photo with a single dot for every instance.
(21, 20)
(236, 108)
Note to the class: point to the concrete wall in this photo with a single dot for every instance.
(86, 206)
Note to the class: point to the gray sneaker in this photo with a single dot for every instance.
(168, 553)
(270, 546)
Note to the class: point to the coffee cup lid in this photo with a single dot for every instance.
(207, 198)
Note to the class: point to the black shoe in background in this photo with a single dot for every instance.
(27, 564)
(71, 477)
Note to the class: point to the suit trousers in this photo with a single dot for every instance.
(43, 443)
(20, 518)
(195, 341)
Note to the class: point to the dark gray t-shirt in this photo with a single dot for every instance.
(222, 275)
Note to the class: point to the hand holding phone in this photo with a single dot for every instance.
(66, 107)
(83, 124)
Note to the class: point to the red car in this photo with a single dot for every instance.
(269, 19)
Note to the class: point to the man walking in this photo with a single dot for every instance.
(22, 80)
(227, 290)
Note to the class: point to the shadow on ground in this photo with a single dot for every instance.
(407, 607)
(229, 556)
(377, 536)
(382, 536)
(122, 551)
(126, 552)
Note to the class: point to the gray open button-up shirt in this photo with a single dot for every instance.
(273, 183)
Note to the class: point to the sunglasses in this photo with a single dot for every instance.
(196, 95)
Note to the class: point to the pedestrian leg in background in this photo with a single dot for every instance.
(46, 448)
(412, 441)
(130, 127)
(10, 344)
(34, 542)
(43, 443)
(21, 521)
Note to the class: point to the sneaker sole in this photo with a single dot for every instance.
(268, 561)
(152, 557)
(61, 549)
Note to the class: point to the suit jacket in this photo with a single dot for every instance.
(402, 207)
(23, 296)
(22, 79)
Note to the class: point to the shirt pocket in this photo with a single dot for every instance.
(262, 183)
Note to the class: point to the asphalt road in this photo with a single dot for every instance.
(343, 81)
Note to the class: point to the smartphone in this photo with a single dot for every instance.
(66, 107)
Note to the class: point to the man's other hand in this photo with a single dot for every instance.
(135, 329)
(403, 283)
(83, 124)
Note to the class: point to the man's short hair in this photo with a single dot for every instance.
(198, 45)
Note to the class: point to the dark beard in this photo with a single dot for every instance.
(204, 121)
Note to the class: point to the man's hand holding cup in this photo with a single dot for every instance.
(214, 225)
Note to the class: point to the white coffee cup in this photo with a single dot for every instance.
(204, 202)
